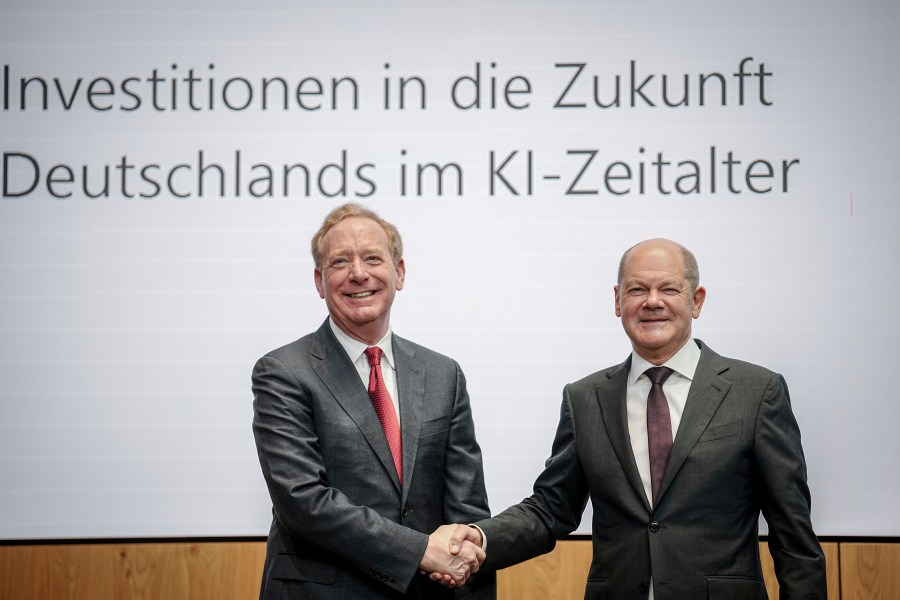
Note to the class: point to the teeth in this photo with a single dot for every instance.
(361, 295)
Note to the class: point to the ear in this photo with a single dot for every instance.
(699, 297)
(320, 283)
(401, 273)
(616, 293)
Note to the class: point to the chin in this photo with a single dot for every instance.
(361, 318)
(655, 343)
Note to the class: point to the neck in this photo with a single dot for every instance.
(369, 334)
(659, 357)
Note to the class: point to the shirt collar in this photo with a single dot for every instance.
(684, 362)
(355, 348)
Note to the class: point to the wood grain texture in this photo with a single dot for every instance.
(558, 575)
(171, 571)
(233, 570)
(870, 571)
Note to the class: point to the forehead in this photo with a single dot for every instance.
(355, 233)
(654, 260)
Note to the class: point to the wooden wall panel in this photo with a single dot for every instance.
(172, 571)
(870, 571)
(559, 575)
(232, 571)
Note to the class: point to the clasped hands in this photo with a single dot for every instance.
(453, 554)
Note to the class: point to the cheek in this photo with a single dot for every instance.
(630, 311)
(686, 311)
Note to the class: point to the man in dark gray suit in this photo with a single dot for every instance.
(736, 452)
(364, 457)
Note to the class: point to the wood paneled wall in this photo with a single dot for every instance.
(870, 571)
(171, 571)
(232, 571)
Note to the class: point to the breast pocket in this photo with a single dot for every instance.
(722, 431)
(435, 426)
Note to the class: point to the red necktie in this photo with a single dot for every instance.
(659, 427)
(384, 408)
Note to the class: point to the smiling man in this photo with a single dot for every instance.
(365, 439)
(678, 449)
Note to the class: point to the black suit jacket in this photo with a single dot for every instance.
(344, 527)
(737, 452)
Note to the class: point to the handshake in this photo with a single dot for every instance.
(453, 554)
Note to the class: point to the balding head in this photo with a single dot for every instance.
(688, 260)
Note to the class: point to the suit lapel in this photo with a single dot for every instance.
(611, 397)
(708, 389)
(411, 389)
(334, 368)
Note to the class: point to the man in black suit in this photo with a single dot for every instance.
(671, 520)
(363, 457)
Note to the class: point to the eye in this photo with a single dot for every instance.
(339, 263)
(636, 291)
(374, 259)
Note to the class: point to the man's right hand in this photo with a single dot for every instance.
(464, 542)
(451, 557)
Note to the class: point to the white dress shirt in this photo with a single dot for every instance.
(356, 350)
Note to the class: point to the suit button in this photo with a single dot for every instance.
(654, 526)
(406, 511)
(643, 588)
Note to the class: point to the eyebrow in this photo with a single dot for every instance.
(628, 282)
(363, 252)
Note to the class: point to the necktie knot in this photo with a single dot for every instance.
(374, 355)
(658, 375)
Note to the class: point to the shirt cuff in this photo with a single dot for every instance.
(483, 537)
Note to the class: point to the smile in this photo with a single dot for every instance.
(362, 295)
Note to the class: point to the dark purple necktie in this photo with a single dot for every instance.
(384, 408)
(659, 427)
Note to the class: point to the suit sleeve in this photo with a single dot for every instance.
(554, 510)
(305, 504)
(781, 471)
(465, 497)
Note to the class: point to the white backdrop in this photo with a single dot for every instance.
(129, 322)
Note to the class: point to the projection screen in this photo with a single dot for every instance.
(165, 165)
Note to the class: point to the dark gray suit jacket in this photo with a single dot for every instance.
(343, 526)
(737, 451)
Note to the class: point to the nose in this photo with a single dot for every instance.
(654, 299)
(358, 270)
